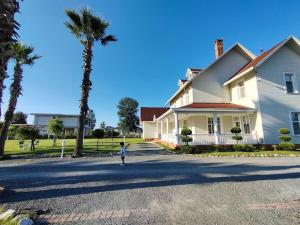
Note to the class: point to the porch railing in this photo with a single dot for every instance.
(209, 139)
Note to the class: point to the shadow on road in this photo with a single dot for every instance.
(88, 175)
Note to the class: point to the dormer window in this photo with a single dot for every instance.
(241, 90)
(290, 83)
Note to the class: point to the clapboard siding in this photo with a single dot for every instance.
(275, 104)
(208, 87)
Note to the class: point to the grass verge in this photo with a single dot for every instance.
(45, 147)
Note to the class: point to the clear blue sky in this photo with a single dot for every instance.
(158, 40)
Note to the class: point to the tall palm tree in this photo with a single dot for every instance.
(89, 29)
(23, 55)
(8, 33)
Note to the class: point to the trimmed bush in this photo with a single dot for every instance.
(188, 149)
(236, 131)
(237, 147)
(243, 148)
(285, 138)
(288, 146)
(284, 131)
(185, 132)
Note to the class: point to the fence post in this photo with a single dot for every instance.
(62, 149)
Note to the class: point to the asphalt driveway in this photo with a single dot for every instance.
(156, 187)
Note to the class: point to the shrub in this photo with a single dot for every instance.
(243, 148)
(285, 138)
(236, 131)
(237, 148)
(274, 147)
(188, 149)
(288, 146)
(185, 132)
(284, 135)
(249, 148)
(284, 131)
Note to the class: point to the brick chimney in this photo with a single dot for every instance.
(218, 47)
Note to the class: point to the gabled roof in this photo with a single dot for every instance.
(259, 59)
(148, 113)
(237, 45)
(195, 70)
(202, 105)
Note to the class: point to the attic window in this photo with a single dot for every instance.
(290, 83)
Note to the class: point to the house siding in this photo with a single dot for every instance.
(208, 87)
(149, 130)
(275, 104)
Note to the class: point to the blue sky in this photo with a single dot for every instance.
(158, 40)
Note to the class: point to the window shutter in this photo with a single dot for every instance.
(295, 79)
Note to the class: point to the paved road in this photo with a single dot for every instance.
(157, 187)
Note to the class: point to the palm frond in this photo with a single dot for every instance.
(74, 29)
(98, 27)
(23, 54)
(31, 60)
(74, 17)
(107, 39)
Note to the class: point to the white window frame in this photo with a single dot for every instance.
(294, 82)
(291, 122)
(239, 89)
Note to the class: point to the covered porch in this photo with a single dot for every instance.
(208, 127)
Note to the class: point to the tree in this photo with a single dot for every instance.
(22, 55)
(19, 118)
(89, 29)
(103, 125)
(185, 132)
(12, 131)
(127, 110)
(91, 115)
(98, 133)
(236, 131)
(28, 132)
(8, 35)
(55, 127)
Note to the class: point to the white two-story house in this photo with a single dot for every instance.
(70, 122)
(259, 94)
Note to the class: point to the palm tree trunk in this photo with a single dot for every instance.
(15, 91)
(8, 26)
(85, 89)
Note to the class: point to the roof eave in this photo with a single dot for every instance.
(239, 76)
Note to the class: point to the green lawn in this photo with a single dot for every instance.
(90, 146)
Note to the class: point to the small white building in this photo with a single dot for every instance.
(259, 94)
(70, 122)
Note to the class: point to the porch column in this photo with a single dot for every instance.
(161, 127)
(167, 126)
(216, 131)
(176, 121)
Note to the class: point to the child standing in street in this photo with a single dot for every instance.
(122, 153)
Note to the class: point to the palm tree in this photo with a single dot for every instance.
(22, 54)
(89, 29)
(8, 27)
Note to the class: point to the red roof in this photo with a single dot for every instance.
(255, 61)
(214, 106)
(147, 113)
